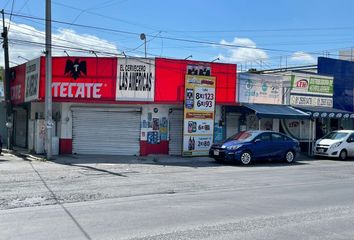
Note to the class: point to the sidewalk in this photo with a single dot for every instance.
(151, 159)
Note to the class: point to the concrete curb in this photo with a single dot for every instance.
(26, 156)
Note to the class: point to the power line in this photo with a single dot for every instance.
(166, 38)
(12, 9)
(184, 40)
(103, 16)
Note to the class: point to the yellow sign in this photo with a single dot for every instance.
(199, 108)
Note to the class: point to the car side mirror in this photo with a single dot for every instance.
(349, 140)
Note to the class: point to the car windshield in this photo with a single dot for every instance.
(335, 135)
(243, 136)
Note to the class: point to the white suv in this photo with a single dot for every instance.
(338, 144)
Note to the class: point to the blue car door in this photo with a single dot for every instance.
(262, 148)
(280, 144)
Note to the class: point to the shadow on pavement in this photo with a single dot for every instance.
(265, 163)
(97, 169)
(163, 160)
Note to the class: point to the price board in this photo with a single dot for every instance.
(199, 108)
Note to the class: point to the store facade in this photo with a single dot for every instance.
(263, 104)
(118, 106)
(313, 94)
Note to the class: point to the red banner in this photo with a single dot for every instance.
(170, 77)
(17, 84)
(79, 79)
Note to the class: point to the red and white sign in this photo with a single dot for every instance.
(82, 79)
(135, 79)
(17, 85)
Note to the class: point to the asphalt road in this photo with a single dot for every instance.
(100, 197)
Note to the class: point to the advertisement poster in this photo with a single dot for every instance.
(256, 88)
(32, 80)
(199, 108)
(135, 79)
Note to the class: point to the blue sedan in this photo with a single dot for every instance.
(245, 147)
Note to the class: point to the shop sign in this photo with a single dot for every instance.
(82, 79)
(312, 84)
(32, 80)
(135, 79)
(304, 100)
(17, 84)
(199, 108)
(255, 88)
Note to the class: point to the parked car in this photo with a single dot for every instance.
(338, 144)
(247, 146)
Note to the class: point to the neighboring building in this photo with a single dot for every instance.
(264, 104)
(347, 55)
(3, 129)
(123, 106)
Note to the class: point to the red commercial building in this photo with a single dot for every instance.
(104, 105)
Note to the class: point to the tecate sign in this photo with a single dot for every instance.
(76, 90)
(135, 80)
(84, 78)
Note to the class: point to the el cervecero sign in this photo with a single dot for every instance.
(135, 80)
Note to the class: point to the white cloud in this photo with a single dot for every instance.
(302, 57)
(21, 36)
(240, 54)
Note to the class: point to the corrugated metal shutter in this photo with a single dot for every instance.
(20, 127)
(176, 132)
(232, 122)
(106, 132)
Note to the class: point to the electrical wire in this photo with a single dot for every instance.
(186, 40)
(165, 38)
(12, 9)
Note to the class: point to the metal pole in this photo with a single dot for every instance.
(9, 120)
(145, 46)
(310, 137)
(48, 77)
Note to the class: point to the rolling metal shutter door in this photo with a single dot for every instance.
(20, 128)
(106, 132)
(176, 132)
(232, 122)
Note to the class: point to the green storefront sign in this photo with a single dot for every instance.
(311, 84)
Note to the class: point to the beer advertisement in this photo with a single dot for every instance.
(199, 108)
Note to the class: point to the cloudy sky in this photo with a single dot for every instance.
(257, 34)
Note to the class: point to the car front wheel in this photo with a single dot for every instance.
(343, 155)
(289, 156)
(246, 158)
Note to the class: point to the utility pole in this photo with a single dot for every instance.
(5, 45)
(48, 77)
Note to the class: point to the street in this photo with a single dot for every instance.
(108, 197)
